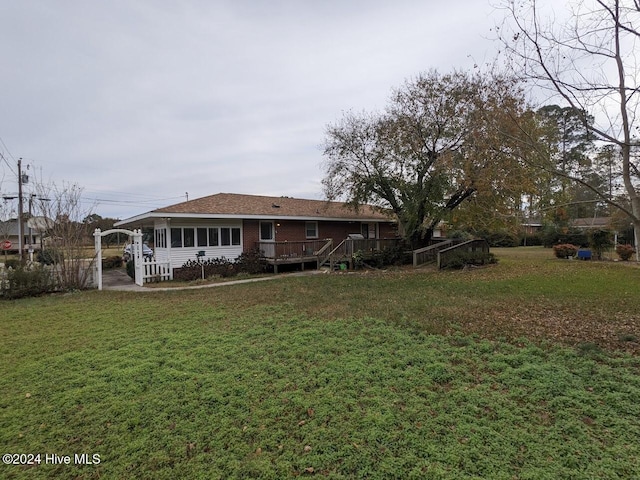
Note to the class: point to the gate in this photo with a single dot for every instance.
(136, 253)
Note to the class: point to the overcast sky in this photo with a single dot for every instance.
(141, 101)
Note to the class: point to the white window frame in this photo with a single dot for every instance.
(306, 229)
(272, 229)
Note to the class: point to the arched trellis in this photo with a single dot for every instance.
(136, 252)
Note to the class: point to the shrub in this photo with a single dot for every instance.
(460, 234)
(458, 260)
(551, 236)
(390, 255)
(625, 252)
(49, 256)
(192, 269)
(112, 262)
(220, 266)
(26, 282)
(496, 238)
(396, 255)
(12, 263)
(532, 240)
(502, 239)
(599, 241)
(251, 262)
(565, 250)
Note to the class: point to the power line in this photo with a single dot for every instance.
(9, 153)
(7, 161)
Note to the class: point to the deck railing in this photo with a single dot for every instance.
(430, 253)
(348, 247)
(346, 250)
(325, 252)
(282, 250)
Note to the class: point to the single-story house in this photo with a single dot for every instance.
(9, 232)
(287, 230)
(592, 223)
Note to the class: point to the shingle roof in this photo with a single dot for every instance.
(255, 205)
(591, 222)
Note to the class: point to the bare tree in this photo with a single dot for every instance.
(588, 60)
(67, 234)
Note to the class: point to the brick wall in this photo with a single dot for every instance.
(250, 233)
(295, 231)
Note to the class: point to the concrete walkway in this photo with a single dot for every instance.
(120, 281)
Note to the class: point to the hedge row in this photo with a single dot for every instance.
(25, 281)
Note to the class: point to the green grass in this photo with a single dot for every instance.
(528, 370)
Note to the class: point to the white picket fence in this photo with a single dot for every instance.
(156, 271)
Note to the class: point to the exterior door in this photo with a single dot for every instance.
(267, 239)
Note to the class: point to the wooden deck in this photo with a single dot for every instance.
(302, 260)
(320, 252)
(295, 253)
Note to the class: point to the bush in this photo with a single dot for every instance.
(251, 262)
(565, 250)
(625, 252)
(599, 241)
(495, 238)
(532, 240)
(502, 239)
(396, 255)
(553, 236)
(112, 262)
(391, 255)
(26, 282)
(12, 263)
(458, 260)
(192, 269)
(49, 256)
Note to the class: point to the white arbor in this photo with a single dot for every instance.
(136, 252)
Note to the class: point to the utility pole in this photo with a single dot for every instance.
(20, 225)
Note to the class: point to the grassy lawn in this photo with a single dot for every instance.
(529, 369)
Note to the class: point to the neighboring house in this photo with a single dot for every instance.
(287, 230)
(590, 223)
(9, 231)
(532, 226)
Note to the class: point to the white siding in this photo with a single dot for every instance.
(180, 255)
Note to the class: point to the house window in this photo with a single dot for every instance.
(201, 234)
(311, 229)
(205, 237)
(189, 237)
(225, 236)
(266, 231)
(176, 237)
(229, 236)
(160, 238)
(214, 237)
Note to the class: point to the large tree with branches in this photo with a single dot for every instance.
(588, 60)
(441, 139)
